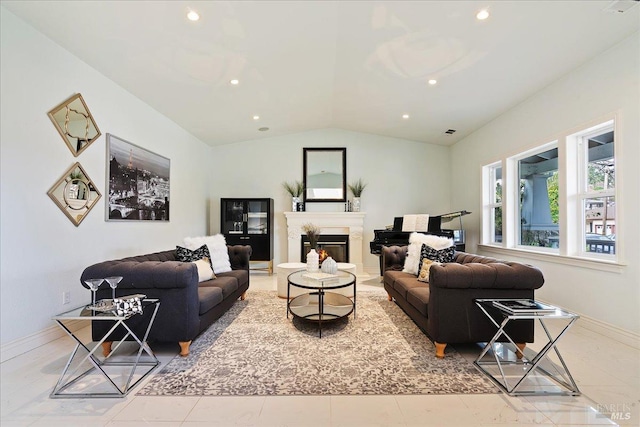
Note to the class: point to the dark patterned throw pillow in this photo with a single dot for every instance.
(187, 255)
(442, 255)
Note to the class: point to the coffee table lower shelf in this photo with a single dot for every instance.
(321, 307)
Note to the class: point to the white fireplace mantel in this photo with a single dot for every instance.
(349, 223)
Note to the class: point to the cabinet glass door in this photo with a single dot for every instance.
(234, 216)
(258, 217)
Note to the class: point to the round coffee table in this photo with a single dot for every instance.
(318, 305)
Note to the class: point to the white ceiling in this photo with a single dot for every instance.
(356, 65)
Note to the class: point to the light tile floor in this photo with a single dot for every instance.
(607, 372)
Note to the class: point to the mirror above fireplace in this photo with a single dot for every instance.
(325, 172)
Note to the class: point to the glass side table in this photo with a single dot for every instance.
(115, 372)
(513, 368)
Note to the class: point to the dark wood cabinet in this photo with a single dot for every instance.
(249, 222)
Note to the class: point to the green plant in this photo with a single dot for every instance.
(357, 187)
(295, 189)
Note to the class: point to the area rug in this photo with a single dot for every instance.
(254, 350)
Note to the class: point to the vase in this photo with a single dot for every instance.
(295, 203)
(313, 260)
(356, 204)
(329, 266)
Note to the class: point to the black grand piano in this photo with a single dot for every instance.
(395, 236)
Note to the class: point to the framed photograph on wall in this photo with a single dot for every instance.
(137, 183)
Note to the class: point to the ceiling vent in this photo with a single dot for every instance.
(450, 131)
(620, 6)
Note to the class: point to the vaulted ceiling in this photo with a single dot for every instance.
(356, 65)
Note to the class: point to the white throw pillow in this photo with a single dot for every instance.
(204, 270)
(416, 240)
(217, 249)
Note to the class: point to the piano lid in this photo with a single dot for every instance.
(435, 221)
(453, 215)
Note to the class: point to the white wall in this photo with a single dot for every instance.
(42, 252)
(403, 177)
(609, 83)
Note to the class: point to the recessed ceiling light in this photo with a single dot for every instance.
(405, 116)
(432, 82)
(234, 81)
(193, 15)
(263, 129)
(256, 117)
(482, 15)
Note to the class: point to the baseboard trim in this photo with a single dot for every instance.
(603, 328)
(30, 342)
(618, 334)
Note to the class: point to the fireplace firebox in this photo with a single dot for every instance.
(336, 245)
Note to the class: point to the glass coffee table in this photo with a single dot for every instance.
(320, 304)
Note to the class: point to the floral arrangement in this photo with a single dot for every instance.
(313, 232)
(357, 187)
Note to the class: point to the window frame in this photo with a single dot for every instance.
(583, 194)
(489, 186)
(572, 192)
(515, 194)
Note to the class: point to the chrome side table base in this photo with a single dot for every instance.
(125, 365)
(508, 368)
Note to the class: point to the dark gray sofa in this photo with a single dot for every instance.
(187, 307)
(444, 308)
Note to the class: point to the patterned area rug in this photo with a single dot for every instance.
(255, 350)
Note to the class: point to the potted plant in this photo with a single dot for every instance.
(295, 190)
(357, 188)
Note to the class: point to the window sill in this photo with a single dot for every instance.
(592, 263)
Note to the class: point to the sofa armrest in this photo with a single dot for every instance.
(492, 275)
(239, 256)
(144, 274)
(393, 257)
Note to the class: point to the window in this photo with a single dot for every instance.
(559, 197)
(597, 182)
(538, 198)
(494, 207)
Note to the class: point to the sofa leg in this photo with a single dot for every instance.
(106, 348)
(243, 296)
(389, 297)
(519, 352)
(184, 348)
(440, 349)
